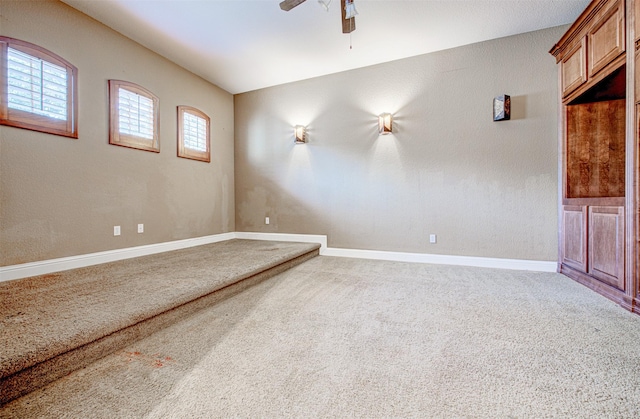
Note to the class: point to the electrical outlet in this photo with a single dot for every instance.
(266, 220)
(116, 230)
(140, 228)
(432, 238)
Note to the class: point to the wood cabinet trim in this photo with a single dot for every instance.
(632, 258)
(614, 201)
(600, 287)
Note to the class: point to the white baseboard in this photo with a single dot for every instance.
(482, 262)
(24, 270)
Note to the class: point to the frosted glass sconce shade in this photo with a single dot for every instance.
(502, 108)
(301, 134)
(349, 9)
(325, 4)
(385, 123)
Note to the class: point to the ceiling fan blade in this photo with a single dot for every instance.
(287, 5)
(348, 25)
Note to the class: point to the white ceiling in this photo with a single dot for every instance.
(243, 45)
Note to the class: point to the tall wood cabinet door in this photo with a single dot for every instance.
(574, 237)
(636, 278)
(606, 38)
(636, 15)
(606, 245)
(573, 67)
(636, 6)
(637, 75)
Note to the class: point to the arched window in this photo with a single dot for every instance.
(133, 114)
(38, 89)
(193, 134)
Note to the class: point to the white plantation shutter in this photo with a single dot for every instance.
(195, 132)
(38, 89)
(135, 114)
(35, 85)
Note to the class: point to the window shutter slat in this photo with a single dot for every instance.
(28, 88)
(135, 113)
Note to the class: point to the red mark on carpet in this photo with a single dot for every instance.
(154, 360)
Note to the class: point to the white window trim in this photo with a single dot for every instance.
(127, 140)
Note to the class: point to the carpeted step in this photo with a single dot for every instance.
(53, 324)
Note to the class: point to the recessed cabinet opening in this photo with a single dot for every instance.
(595, 149)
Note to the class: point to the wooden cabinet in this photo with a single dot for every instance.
(606, 245)
(636, 13)
(594, 45)
(637, 75)
(574, 243)
(593, 242)
(635, 284)
(635, 46)
(606, 37)
(599, 142)
(573, 67)
(595, 149)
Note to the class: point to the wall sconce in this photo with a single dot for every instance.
(385, 123)
(502, 108)
(301, 134)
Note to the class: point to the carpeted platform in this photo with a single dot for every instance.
(53, 324)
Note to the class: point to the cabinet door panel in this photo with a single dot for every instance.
(573, 68)
(636, 16)
(637, 75)
(595, 149)
(606, 38)
(574, 239)
(606, 245)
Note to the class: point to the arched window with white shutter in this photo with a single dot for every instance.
(133, 116)
(193, 134)
(38, 89)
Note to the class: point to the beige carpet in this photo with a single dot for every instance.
(45, 318)
(353, 338)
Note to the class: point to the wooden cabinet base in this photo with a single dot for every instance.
(601, 288)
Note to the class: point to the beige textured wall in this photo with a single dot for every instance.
(485, 188)
(62, 197)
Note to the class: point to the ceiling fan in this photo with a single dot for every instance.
(348, 11)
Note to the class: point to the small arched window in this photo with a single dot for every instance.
(133, 114)
(193, 134)
(38, 89)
